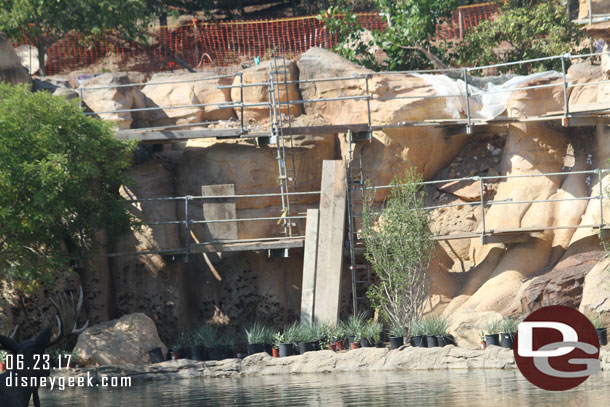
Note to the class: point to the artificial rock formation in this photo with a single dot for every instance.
(187, 89)
(125, 341)
(100, 95)
(11, 70)
(471, 280)
(283, 91)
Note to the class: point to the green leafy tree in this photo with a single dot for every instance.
(45, 22)
(399, 247)
(526, 29)
(407, 42)
(59, 176)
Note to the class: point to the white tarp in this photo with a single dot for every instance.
(485, 103)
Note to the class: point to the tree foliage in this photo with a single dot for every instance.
(59, 175)
(398, 247)
(523, 29)
(407, 41)
(45, 22)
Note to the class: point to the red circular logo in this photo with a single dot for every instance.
(556, 348)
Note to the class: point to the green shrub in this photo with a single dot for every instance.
(509, 326)
(493, 326)
(60, 172)
(399, 248)
(259, 333)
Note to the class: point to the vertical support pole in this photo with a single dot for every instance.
(566, 109)
(590, 13)
(196, 35)
(601, 199)
(368, 101)
(482, 189)
(469, 125)
(80, 97)
(461, 23)
(241, 99)
(187, 229)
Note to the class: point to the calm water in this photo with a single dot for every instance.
(487, 388)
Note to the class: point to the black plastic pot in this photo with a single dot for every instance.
(602, 334)
(156, 355)
(365, 343)
(350, 339)
(268, 348)
(492, 339)
(506, 340)
(316, 345)
(255, 348)
(286, 349)
(419, 341)
(197, 352)
(441, 341)
(183, 353)
(219, 353)
(431, 341)
(306, 347)
(396, 342)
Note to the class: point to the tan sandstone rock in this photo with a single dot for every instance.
(596, 291)
(260, 94)
(107, 95)
(597, 7)
(124, 341)
(201, 88)
(252, 169)
(466, 325)
(392, 150)
(11, 70)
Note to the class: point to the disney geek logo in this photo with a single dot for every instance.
(557, 348)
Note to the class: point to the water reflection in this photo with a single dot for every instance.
(420, 388)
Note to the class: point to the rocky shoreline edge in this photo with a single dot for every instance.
(326, 361)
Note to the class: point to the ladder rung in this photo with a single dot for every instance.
(359, 267)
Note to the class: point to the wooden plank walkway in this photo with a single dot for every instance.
(455, 126)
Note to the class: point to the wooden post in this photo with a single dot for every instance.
(331, 233)
(310, 259)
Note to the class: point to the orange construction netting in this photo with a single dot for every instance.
(220, 44)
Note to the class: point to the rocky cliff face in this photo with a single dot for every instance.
(472, 281)
(11, 70)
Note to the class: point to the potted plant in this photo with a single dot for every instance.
(181, 345)
(3, 354)
(417, 334)
(258, 335)
(600, 328)
(429, 325)
(492, 337)
(508, 328)
(371, 334)
(226, 343)
(287, 339)
(353, 327)
(307, 335)
(340, 336)
(482, 338)
(195, 341)
(397, 334)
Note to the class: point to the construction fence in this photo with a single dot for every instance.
(222, 44)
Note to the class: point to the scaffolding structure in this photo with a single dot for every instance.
(281, 131)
